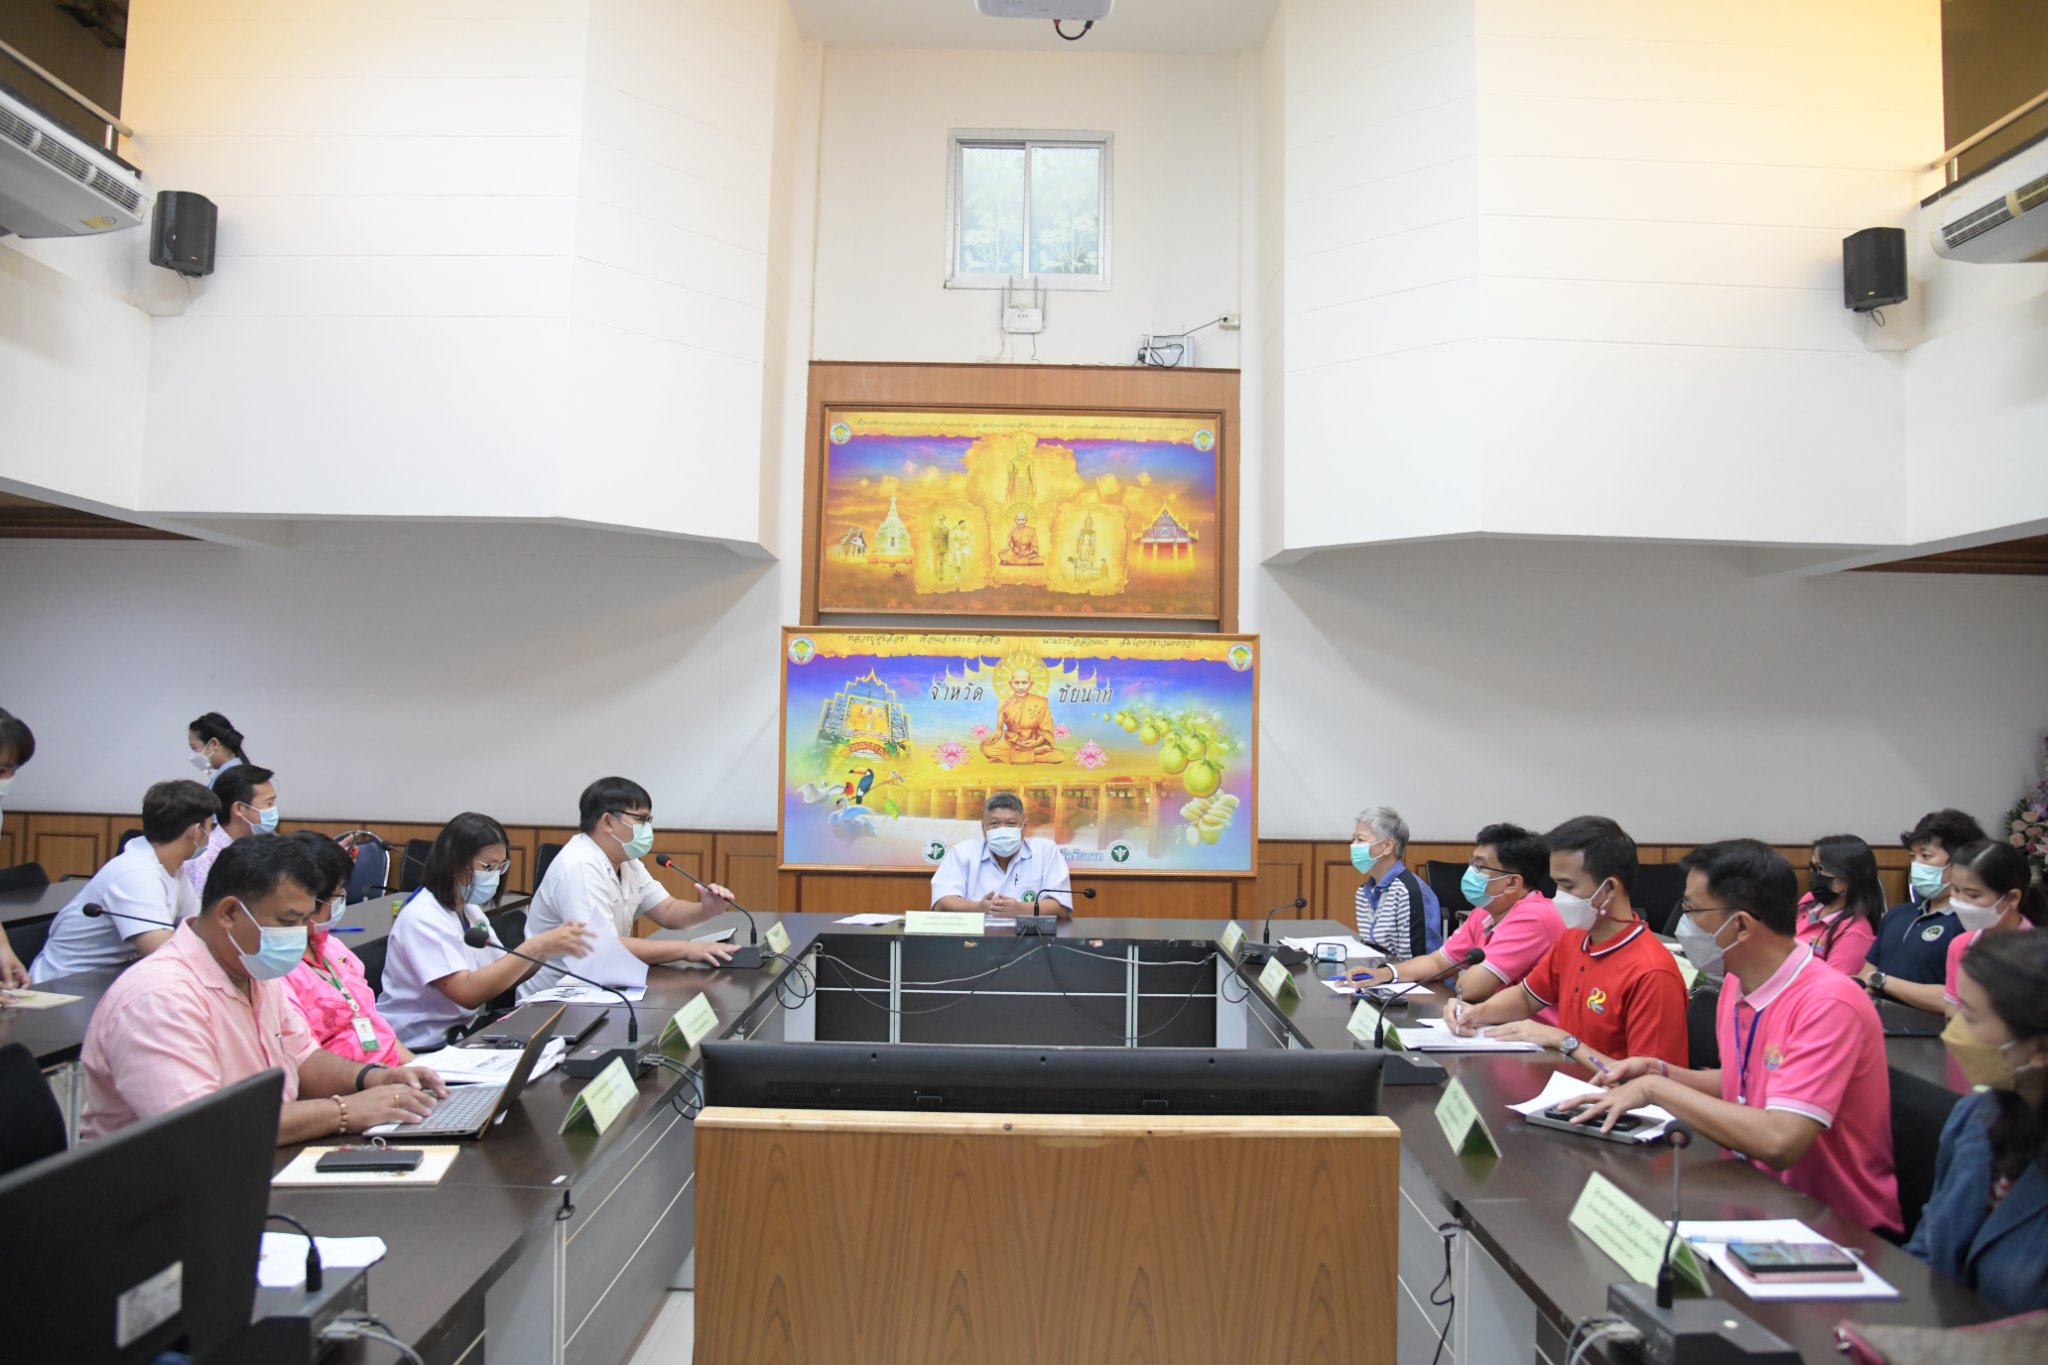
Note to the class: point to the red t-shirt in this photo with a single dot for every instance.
(1624, 998)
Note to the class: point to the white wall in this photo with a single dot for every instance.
(882, 200)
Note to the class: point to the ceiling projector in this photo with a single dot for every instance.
(1056, 10)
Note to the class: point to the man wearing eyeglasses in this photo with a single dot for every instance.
(1512, 920)
(599, 878)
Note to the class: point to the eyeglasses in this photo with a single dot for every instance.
(631, 817)
(1489, 872)
(1688, 908)
(489, 868)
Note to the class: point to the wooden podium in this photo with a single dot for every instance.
(991, 1239)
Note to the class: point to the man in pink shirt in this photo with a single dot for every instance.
(1803, 1091)
(206, 1010)
(1511, 920)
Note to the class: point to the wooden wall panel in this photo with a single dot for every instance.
(1159, 898)
(1286, 871)
(854, 893)
(746, 865)
(68, 844)
(10, 840)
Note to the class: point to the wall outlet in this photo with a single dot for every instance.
(1023, 321)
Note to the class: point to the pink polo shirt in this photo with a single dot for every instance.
(331, 997)
(1851, 945)
(1956, 949)
(1809, 1042)
(174, 1027)
(1514, 943)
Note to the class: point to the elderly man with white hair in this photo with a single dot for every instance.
(1396, 910)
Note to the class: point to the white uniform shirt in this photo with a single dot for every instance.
(133, 882)
(970, 870)
(426, 945)
(582, 885)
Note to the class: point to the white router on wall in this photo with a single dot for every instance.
(1078, 11)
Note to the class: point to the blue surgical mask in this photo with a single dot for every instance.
(266, 821)
(1473, 887)
(483, 886)
(1927, 880)
(1362, 856)
(282, 947)
(1005, 840)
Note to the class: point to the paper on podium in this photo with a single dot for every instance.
(282, 1264)
(1711, 1239)
(1563, 1089)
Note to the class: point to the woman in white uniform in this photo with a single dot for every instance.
(435, 983)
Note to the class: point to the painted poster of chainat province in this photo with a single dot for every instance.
(1020, 514)
(1135, 753)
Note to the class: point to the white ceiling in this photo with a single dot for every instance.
(1133, 26)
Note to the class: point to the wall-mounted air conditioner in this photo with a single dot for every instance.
(2000, 216)
(53, 183)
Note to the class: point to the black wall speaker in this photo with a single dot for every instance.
(1874, 268)
(181, 232)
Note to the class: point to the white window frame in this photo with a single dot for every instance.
(961, 137)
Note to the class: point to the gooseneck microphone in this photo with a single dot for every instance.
(1407, 1068)
(746, 958)
(585, 1062)
(1255, 953)
(1679, 1134)
(99, 911)
(1046, 926)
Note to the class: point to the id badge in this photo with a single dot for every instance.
(366, 1034)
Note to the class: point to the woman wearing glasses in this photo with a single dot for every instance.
(435, 983)
(329, 987)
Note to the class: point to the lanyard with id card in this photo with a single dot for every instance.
(366, 1032)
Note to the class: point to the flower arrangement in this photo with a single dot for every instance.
(2026, 824)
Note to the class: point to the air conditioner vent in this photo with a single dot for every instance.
(127, 196)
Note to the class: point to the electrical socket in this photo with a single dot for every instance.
(1230, 322)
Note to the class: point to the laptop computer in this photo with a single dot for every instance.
(470, 1110)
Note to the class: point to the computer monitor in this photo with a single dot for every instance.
(941, 1077)
(143, 1242)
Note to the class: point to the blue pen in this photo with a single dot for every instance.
(347, 929)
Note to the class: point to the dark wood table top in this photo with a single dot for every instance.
(27, 906)
(57, 1035)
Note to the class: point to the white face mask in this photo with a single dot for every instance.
(1005, 840)
(197, 758)
(5, 783)
(1576, 911)
(1974, 917)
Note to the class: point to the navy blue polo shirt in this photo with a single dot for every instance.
(1912, 943)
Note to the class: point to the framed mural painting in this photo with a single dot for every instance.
(1135, 753)
(993, 513)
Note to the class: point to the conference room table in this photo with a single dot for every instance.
(547, 1246)
(541, 1245)
(30, 904)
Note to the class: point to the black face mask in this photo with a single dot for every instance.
(1822, 885)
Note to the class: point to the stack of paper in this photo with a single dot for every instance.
(870, 921)
(1395, 991)
(480, 1065)
(1563, 1089)
(1433, 1035)
(1711, 1240)
(576, 993)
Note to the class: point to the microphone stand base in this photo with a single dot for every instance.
(746, 957)
(1256, 954)
(1695, 1331)
(585, 1062)
(1041, 926)
(1407, 1068)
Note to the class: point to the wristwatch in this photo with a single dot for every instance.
(1568, 1045)
(1877, 981)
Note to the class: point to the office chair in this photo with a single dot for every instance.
(372, 957)
(1919, 1109)
(412, 868)
(1702, 1042)
(126, 835)
(27, 939)
(31, 1122)
(543, 862)
(1445, 879)
(23, 877)
(373, 865)
(1659, 889)
(510, 927)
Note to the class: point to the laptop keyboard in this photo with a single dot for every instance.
(462, 1112)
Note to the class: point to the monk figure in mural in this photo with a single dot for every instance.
(1022, 548)
(1023, 727)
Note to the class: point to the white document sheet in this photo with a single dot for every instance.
(1432, 1035)
(576, 993)
(282, 1264)
(1347, 989)
(870, 921)
(608, 961)
(493, 1065)
(1563, 1089)
(1711, 1239)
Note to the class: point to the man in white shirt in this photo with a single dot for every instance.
(1002, 872)
(598, 878)
(248, 805)
(141, 889)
